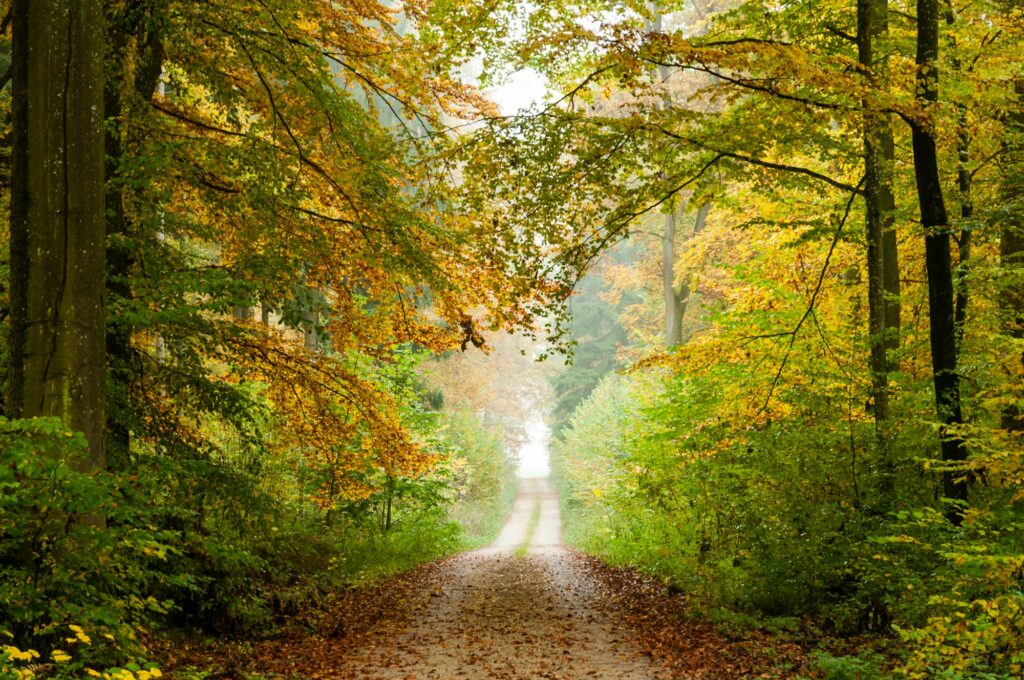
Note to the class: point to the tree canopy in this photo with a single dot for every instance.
(277, 274)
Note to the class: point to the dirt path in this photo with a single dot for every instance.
(521, 608)
(524, 607)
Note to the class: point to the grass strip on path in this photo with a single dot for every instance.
(531, 529)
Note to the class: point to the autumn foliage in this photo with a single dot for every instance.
(793, 228)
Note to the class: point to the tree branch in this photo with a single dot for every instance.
(810, 306)
(761, 162)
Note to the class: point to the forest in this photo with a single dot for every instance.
(287, 285)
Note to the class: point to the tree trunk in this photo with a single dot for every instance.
(935, 221)
(390, 500)
(57, 340)
(891, 261)
(963, 180)
(676, 301)
(963, 268)
(673, 320)
(681, 297)
(1011, 256)
(882, 256)
(130, 30)
(310, 323)
(1011, 248)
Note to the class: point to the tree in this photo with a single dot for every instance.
(598, 333)
(676, 298)
(133, 66)
(882, 256)
(934, 219)
(674, 308)
(1011, 243)
(57, 341)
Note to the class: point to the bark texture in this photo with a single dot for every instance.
(58, 357)
(880, 203)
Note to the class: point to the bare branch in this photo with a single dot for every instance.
(810, 306)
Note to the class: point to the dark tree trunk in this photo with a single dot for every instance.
(131, 38)
(390, 501)
(963, 181)
(58, 358)
(19, 208)
(1011, 254)
(942, 325)
(1011, 247)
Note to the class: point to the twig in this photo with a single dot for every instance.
(810, 306)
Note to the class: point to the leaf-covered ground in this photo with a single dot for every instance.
(526, 607)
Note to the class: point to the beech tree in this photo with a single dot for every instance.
(880, 204)
(176, 164)
(938, 258)
(1011, 244)
(56, 338)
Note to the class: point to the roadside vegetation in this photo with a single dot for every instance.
(278, 274)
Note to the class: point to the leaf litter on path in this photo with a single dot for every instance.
(506, 613)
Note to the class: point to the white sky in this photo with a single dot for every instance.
(523, 88)
(533, 455)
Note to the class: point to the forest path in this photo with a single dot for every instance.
(507, 612)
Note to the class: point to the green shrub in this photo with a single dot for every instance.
(77, 548)
(864, 666)
(482, 481)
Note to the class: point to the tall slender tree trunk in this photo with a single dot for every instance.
(676, 299)
(942, 325)
(682, 295)
(964, 188)
(1011, 248)
(1011, 255)
(882, 255)
(673, 324)
(673, 320)
(132, 38)
(58, 355)
(963, 268)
